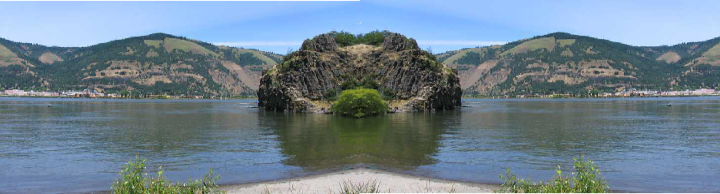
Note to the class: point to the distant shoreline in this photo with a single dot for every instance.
(66, 97)
(464, 97)
(594, 97)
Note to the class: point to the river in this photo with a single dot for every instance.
(640, 144)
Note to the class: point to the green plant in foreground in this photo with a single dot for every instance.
(586, 180)
(359, 103)
(348, 187)
(132, 181)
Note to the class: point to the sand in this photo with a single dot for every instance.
(388, 183)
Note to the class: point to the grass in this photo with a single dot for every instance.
(132, 180)
(49, 58)
(548, 43)
(586, 180)
(6, 53)
(153, 43)
(359, 103)
(257, 54)
(669, 57)
(567, 53)
(348, 187)
(566, 42)
(461, 54)
(151, 53)
(713, 52)
(187, 46)
(447, 70)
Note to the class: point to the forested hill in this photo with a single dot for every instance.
(566, 63)
(153, 64)
(166, 64)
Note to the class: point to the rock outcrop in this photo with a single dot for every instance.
(411, 77)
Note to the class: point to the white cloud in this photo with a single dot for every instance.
(459, 42)
(260, 43)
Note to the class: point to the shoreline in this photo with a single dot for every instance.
(592, 97)
(108, 98)
(387, 182)
(463, 97)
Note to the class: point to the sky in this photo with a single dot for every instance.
(438, 25)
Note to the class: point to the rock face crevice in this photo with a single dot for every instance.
(411, 76)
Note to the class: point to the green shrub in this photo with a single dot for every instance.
(332, 94)
(387, 94)
(343, 38)
(368, 82)
(349, 84)
(132, 181)
(557, 96)
(359, 103)
(587, 180)
(374, 38)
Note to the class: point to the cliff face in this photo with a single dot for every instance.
(398, 68)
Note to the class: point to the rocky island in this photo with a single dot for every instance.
(408, 78)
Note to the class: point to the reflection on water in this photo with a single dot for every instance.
(640, 144)
(78, 145)
(402, 141)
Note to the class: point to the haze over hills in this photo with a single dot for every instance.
(153, 64)
(553, 63)
(567, 63)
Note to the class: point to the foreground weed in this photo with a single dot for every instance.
(348, 187)
(132, 181)
(586, 180)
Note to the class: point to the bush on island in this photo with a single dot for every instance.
(359, 103)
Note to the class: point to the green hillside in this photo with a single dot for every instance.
(567, 63)
(153, 64)
(553, 63)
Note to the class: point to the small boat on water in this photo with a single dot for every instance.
(669, 104)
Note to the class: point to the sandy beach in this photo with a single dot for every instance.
(388, 183)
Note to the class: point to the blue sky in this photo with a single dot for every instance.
(279, 26)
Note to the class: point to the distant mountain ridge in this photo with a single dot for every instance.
(553, 63)
(152, 64)
(567, 63)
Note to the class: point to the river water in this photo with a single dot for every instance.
(640, 144)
